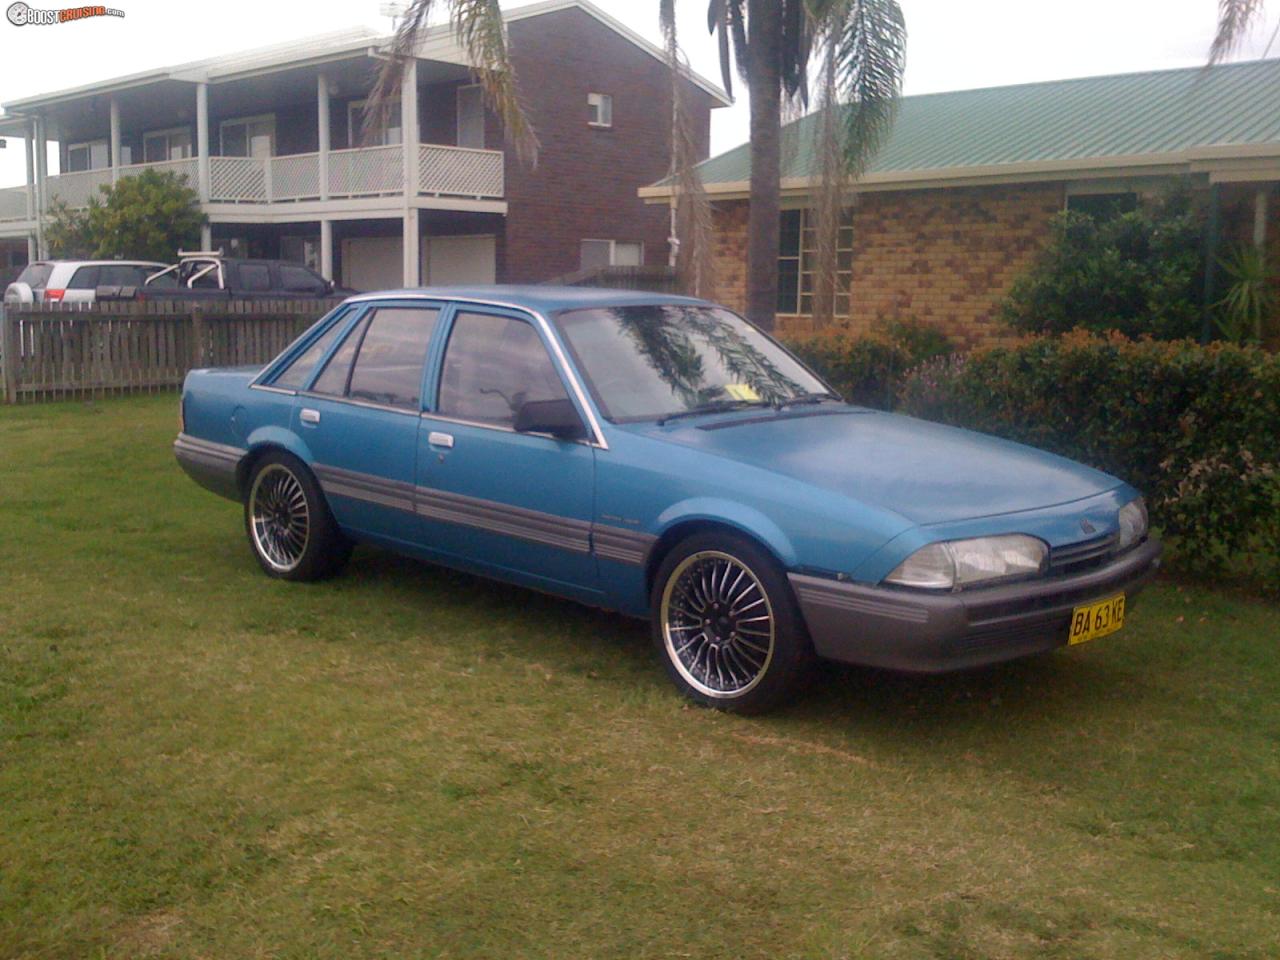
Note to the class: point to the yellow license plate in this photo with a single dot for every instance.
(1096, 620)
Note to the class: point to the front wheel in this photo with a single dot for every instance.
(726, 624)
(290, 528)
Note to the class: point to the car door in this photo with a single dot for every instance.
(359, 416)
(514, 504)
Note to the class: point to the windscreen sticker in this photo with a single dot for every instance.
(741, 391)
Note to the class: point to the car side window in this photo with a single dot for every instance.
(124, 275)
(301, 280)
(85, 278)
(388, 368)
(255, 276)
(297, 373)
(492, 366)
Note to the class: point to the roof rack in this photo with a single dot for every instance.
(202, 253)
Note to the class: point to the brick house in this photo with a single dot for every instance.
(274, 141)
(959, 199)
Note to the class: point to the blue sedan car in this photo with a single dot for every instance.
(660, 456)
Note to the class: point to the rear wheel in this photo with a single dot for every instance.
(290, 528)
(726, 624)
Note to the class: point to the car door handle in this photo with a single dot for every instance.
(309, 416)
(437, 439)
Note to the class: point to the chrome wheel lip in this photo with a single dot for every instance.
(279, 518)
(734, 583)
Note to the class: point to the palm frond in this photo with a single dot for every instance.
(691, 226)
(870, 53)
(479, 28)
(1235, 18)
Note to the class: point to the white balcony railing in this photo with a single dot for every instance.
(459, 172)
(75, 189)
(13, 203)
(443, 171)
(366, 171)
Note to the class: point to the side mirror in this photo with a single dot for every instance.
(556, 417)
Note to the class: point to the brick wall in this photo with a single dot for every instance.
(585, 182)
(945, 257)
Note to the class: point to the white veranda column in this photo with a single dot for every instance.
(115, 140)
(326, 249)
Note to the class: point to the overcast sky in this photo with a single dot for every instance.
(952, 45)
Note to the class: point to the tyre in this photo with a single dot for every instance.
(726, 624)
(290, 528)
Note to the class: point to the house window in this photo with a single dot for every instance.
(161, 145)
(798, 259)
(249, 137)
(87, 156)
(382, 131)
(599, 110)
(471, 117)
(610, 253)
(1102, 206)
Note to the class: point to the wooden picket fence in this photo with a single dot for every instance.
(65, 351)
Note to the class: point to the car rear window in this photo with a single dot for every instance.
(298, 373)
(36, 275)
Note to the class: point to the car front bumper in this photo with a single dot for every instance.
(937, 632)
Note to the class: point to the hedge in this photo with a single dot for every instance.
(867, 370)
(1196, 428)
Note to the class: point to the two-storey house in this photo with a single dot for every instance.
(276, 143)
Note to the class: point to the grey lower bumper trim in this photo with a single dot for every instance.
(212, 465)
(933, 633)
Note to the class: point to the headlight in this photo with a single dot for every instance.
(964, 563)
(1133, 522)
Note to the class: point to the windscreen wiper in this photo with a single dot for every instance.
(716, 406)
(806, 398)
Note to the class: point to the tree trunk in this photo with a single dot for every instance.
(764, 84)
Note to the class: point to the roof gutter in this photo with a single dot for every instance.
(1228, 159)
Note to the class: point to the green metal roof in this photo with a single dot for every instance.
(1133, 114)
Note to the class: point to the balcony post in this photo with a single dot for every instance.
(409, 128)
(42, 184)
(322, 121)
(202, 141)
(412, 248)
(115, 141)
(326, 249)
(29, 145)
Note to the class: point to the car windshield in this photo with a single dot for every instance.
(663, 360)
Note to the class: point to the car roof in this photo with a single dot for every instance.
(98, 263)
(543, 299)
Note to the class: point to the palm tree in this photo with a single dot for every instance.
(858, 47)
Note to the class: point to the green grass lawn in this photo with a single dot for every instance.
(197, 761)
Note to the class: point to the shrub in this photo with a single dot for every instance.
(867, 370)
(863, 370)
(1140, 272)
(1196, 428)
(146, 217)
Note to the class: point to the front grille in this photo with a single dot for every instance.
(1020, 634)
(1086, 555)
